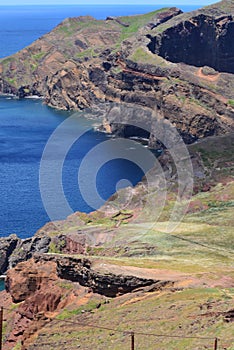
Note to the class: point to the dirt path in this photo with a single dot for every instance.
(213, 77)
(183, 280)
(157, 274)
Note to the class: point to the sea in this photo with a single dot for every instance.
(2, 286)
(27, 124)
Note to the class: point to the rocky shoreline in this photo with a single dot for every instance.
(125, 67)
(139, 74)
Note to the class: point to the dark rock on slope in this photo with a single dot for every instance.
(14, 250)
(7, 247)
(29, 277)
(110, 285)
(201, 40)
(46, 284)
(154, 60)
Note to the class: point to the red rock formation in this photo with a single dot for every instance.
(40, 285)
(40, 291)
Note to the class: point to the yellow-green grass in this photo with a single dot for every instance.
(187, 313)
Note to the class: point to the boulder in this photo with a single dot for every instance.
(27, 247)
(7, 247)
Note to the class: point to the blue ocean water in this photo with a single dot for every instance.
(21, 25)
(26, 125)
(2, 287)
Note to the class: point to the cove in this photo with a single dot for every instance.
(25, 127)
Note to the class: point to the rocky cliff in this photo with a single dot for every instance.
(203, 39)
(77, 271)
(105, 261)
(14, 250)
(47, 284)
(180, 64)
(97, 232)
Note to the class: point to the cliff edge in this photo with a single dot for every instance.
(178, 63)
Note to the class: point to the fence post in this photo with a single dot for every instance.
(1, 326)
(132, 341)
(216, 344)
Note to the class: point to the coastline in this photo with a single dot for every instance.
(120, 266)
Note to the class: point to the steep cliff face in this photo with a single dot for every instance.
(7, 247)
(14, 250)
(130, 266)
(40, 292)
(199, 41)
(47, 284)
(84, 63)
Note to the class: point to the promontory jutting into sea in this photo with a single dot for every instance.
(26, 126)
(116, 176)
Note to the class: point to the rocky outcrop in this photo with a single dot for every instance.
(47, 283)
(14, 250)
(69, 236)
(109, 284)
(28, 278)
(200, 40)
(94, 233)
(37, 288)
(192, 122)
(7, 247)
(45, 267)
(163, 17)
(27, 247)
(77, 66)
(229, 316)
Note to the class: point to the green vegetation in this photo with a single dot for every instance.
(196, 259)
(66, 314)
(4, 328)
(67, 29)
(34, 66)
(71, 25)
(11, 81)
(56, 247)
(39, 56)
(199, 103)
(66, 285)
(7, 60)
(116, 70)
(17, 346)
(14, 306)
(136, 22)
(231, 103)
(215, 150)
(182, 312)
(142, 55)
(53, 248)
(90, 53)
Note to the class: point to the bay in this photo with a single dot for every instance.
(26, 125)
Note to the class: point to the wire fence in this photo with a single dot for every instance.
(131, 335)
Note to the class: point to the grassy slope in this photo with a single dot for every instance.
(184, 313)
(201, 247)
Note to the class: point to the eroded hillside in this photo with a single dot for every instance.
(91, 280)
(86, 63)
